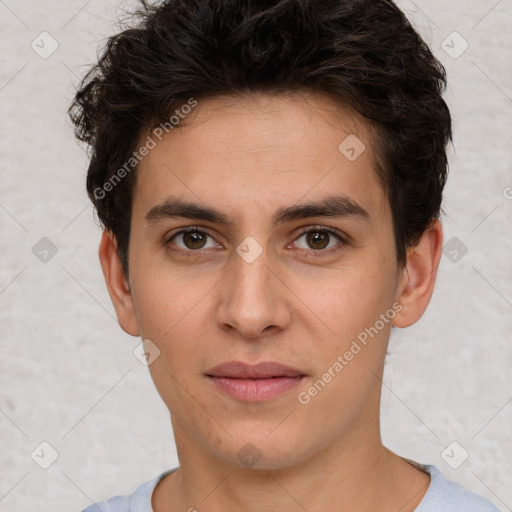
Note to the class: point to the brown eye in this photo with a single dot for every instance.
(317, 239)
(320, 240)
(192, 239)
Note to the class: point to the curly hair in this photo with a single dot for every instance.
(364, 52)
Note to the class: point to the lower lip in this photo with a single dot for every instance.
(255, 390)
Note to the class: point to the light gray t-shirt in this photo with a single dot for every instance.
(441, 496)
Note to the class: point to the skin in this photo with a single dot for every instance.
(248, 157)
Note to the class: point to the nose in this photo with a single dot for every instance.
(253, 299)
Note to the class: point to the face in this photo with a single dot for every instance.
(258, 277)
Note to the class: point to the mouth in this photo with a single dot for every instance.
(254, 383)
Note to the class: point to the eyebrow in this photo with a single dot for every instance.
(332, 206)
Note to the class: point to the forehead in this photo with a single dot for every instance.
(262, 149)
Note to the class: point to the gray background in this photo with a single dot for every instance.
(68, 376)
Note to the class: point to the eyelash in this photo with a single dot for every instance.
(309, 229)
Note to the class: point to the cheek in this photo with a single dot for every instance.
(352, 297)
(165, 301)
(173, 312)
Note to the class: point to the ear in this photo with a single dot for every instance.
(419, 276)
(117, 284)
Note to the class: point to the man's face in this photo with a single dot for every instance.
(265, 287)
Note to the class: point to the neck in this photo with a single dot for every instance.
(357, 473)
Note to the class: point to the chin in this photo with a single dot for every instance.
(260, 451)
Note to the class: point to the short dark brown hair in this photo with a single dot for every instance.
(364, 52)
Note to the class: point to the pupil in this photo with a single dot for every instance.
(196, 239)
(314, 238)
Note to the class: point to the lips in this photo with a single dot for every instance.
(254, 383)
(264, 370)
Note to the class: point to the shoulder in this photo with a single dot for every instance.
(447, 496)
(139, 501)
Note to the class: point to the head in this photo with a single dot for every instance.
(252, 121)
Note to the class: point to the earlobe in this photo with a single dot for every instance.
(419, 276)
(117, 284)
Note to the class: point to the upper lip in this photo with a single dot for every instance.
(263, 370)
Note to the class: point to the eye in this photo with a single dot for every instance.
(319, 239)
(193, 239)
